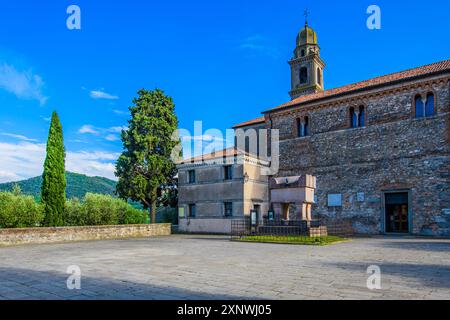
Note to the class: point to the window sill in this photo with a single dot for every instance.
(357, 128)
(303, 138)
(436, 116)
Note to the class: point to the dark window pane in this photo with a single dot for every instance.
(228, 173)
(429, 108)
(228, 206)
(303, 75)
(192, 210)
(396, 198)
(419, 107)
(191, 176)
(362, 117)
(306, 128)
(353, 118)
(299, 128)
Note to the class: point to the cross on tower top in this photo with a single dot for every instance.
(306, 14)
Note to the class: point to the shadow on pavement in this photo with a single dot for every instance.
(22, 284)
(434, 276)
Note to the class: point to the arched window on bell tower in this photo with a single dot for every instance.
(303, 75)
(319, 77)
(306, 65)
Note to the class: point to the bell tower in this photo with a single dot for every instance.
(306, 65)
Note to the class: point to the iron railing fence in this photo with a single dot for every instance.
(277, 230)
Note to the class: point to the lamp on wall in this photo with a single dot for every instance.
(246, 177)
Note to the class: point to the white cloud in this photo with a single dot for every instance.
(120, 112)
(112, 137)
(8, 176)
(259, 44)
(117, 129)
(24, 160)
(18, 136)
(97, 94)
(253, 42)
(88, 129)
(24, 84)
(110, 134)
(95, 163)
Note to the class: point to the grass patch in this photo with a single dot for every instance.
(299, 240)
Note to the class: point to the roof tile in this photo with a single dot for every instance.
(249, 123)
(403, 75)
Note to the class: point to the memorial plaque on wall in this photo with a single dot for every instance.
(335, 200)
(181, 212)
(360, 196)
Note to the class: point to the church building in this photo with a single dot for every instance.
(374, 153)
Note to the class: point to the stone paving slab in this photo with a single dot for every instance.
(210, 267)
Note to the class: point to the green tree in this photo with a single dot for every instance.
(16, 190)
(145, 165)
(53, 190)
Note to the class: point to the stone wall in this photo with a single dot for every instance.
(394, 151)
(9, 237)
(205, 226)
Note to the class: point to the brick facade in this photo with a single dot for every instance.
(393, 152)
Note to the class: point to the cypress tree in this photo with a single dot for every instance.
(53, 190)
(145, 165)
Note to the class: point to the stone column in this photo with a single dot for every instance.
(308, 212)
(357, 117)
(424, 105)
(298, 212)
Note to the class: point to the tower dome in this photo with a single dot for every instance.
(306, 64)
(307, 36)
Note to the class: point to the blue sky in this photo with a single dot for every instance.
(223, 62)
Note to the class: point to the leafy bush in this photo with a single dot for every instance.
(96, 209)
(19, 211)
(74, 214)
(134, 216)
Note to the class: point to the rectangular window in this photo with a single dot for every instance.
(228, 174)
(192, 211)
(335, 200)
(228, 206)
(191, 176)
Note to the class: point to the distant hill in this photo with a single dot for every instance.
(77, 185)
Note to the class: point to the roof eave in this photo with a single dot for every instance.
(248, 125)
(376, 86)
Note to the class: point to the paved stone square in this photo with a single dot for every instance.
(210, 267)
